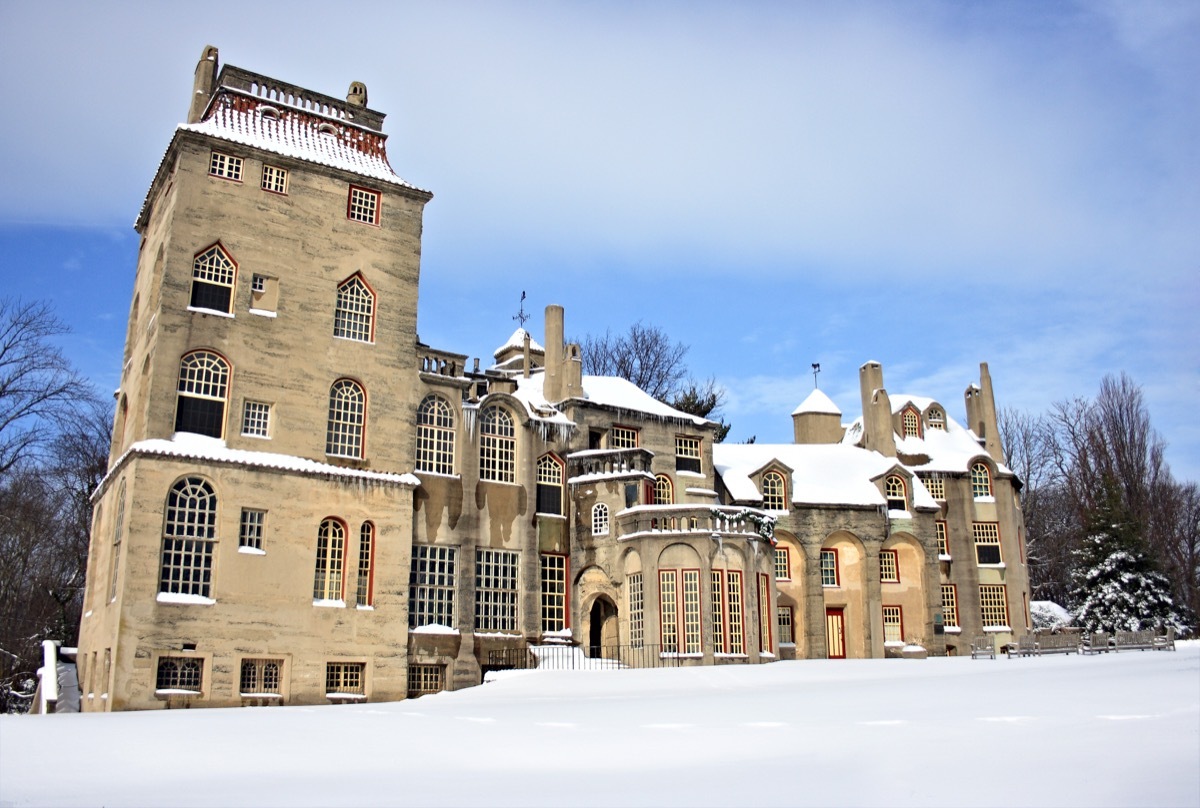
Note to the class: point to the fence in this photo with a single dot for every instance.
(596, 657)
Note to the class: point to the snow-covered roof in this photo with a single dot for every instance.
(236, 116)
(900, 401)
(517, 340)
(817, 402)
(823, 474)
(613, 391)
(950, 450)
(198, 447)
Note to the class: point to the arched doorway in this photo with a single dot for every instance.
(602, 629)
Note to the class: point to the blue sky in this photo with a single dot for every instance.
(928, 185)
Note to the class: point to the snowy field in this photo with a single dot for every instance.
(1091, 731)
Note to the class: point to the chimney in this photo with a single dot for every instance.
(878, 433)
(525, 362)
(573, 371)
(202, 86)
(552, 388)
(981, 414)
(357, 97)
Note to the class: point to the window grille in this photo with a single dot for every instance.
(435, 436)
(347, 418)
(496, 589)
(331, 556)
(188, 536)
(431, 584)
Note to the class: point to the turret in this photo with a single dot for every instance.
(817, 420)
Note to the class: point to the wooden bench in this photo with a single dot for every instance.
(1096, 643)
(1057, 644)
(1025, 646)
(983, 647)
(1165, 642)
(1133, 640)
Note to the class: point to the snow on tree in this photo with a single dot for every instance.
(1115, 585)
(1048, 615)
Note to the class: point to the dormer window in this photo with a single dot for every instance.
(981, 481)
(896, 494)
(910, 422)
(774, 492)
(935, 418)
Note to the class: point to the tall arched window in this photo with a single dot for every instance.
(497, 446)
(435, 436)
(365, 594)
(911, 422)
(981, 481)
(203, 388)
(347, 419)
(115, 562)
(774, 491)
(354, 316)
(213, 273)
(896, 493)
(664, 491)
(189, 531)
(549, 485)
(331, 560)
(600, 519)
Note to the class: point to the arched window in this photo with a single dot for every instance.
(435, 436)
(365, 594)
(203, 387)
(331, 555)
(600, 519)
(189, 532)
(497, 446)
(664, 491)
(911, 422)
(935, 418)
(774, 492)
(115, 561)
(347, 418)
(549, 485)
(895, 492)
(354, 317)
(981, 481)
(213, 273)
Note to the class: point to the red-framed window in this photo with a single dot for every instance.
(764, 614)
(554, 592)
(993, 605)
(910, 421)
(786, 621)
(364, 594)
(949, 605)
(896, 493)
(893, 624)
(363, 205)
(637, 609)
(664, 490)
(987, 542)
(889, 566)
(783, 563)
(728, 612)
(328, 579)
(354, 310)
(346, 430)
(829, 568)
(942, 540)
(679, 610)
(549, 485)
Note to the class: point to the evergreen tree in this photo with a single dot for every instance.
(1115, 586)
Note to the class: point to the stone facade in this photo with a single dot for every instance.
(306, 504)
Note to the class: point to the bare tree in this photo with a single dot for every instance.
(37, 383)
(644, 355)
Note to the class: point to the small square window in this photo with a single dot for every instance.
(256, 420)
(258, 283)
(622, 437)
(936, 486)
(225, 166)
(274, 179)
(250, 534)
(363, 206)
(687, 454)
(425, 679)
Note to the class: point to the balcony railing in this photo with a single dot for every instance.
(704, 520)
(440, 363)
(607, 464)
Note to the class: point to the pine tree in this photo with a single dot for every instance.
(1115, 585)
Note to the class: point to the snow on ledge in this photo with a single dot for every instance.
(433, 628)
(952, 629)
(997, 629)
(187, 600)
(251, 551)
(214, 312)
(329, 604)
(701, 492)
(263, 313)
(198, 447)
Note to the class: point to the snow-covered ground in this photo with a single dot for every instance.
(1110, 730)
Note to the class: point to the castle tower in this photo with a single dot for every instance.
(271, 333)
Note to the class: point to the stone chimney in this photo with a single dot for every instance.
(357, 97)
(573, 371)
(981, 414)
(204, 83)
(878, 433)
(553, 386)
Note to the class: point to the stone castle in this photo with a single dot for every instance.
(306, 504)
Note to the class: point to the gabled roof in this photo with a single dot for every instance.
(517, 340)
(605, 391)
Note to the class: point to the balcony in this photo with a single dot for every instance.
(608, 464)
(695, 520)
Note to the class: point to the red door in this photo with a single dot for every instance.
(835, 633)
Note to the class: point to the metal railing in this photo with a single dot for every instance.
(596, 657)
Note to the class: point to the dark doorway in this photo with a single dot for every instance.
(602, 628)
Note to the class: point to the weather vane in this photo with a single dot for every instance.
(816, 369)
(521, 316)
